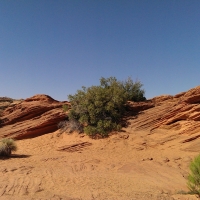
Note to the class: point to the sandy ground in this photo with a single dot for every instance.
(125, 166)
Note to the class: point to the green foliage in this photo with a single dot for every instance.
(100, 108)
(194, 176)
(7, 145)
(65, 107)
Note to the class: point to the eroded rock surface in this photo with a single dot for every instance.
(140, 106)
(6, 102)
(178, 115)
(32, 117)
(40, 114)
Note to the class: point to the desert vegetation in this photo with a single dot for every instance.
(194, 176)
(99, 109)
(70, 126)
(7, 145)
(65, 108)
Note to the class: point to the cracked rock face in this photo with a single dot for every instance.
(32, 117)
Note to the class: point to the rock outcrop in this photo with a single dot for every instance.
(139, 106)
(40, 114)
(192, 96)
(179, 114)
(32, 117)
(6, 102)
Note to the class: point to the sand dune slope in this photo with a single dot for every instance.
(123, 167)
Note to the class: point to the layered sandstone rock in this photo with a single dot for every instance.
(139, 106)
(192, 96)
(179, 114)
(6, 102)
(32, 117)
(40, 114)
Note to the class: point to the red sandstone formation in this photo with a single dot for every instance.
(32, 117)
(179, 114)
(139, 106)
(40, 114)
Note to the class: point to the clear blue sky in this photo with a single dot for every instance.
(56, 46)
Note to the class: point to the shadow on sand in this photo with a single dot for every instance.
(14, 156)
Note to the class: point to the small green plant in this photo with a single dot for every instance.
(194, 176)
(7, 145)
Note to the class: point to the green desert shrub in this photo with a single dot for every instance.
(194, 176)
(100, 108)
(7, 145)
